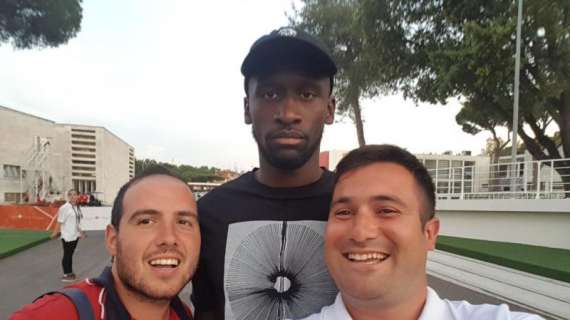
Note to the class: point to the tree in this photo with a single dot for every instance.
(335, 23)
(186, 172)
(142, 165)
(473, 118)
(39, 23)
(464, 48)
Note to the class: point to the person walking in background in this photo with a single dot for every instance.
(68, 224)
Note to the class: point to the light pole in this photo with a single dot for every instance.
(516, 100)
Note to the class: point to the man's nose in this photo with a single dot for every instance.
(167, 234)
(288, 111)
(364, 226)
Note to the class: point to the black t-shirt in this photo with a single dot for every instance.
(262, 250)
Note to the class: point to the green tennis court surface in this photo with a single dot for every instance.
(548, 262)
(13, 241)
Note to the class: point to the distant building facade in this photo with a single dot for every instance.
(452, 173)
(41, 159)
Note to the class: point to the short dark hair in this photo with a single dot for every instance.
(117, 210)
(371, 154)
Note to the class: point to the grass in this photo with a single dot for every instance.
(13, 241)
(548, 262)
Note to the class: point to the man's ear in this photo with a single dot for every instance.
(246, 113)
(331, 108)
(111, 239)
(431, 231)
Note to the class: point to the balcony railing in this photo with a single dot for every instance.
(546, 179)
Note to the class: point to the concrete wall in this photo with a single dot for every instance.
(534, 222)
(17, 134)
(113, 166)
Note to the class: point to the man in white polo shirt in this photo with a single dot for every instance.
(381, 226)
(68, 225)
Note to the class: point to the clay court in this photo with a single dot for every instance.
(27, 217)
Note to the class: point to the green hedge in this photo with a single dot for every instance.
(548, 262)
(13, 241)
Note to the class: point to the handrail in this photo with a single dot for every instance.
(544, 179)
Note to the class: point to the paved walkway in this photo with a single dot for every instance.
(27, 274)
(546, 296)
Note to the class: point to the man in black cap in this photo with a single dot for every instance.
(262, 234)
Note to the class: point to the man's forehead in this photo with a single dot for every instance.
(384, 181)
(374, 178)
(155, 183)
(141, 194)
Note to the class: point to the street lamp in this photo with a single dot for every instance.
(516, 100)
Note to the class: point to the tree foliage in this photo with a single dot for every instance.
(474, 119)
(465, 48)
(434, 50)
(39, 23)
(335, 23)
(186, 172)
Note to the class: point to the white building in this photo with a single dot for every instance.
(451, 173)
(41, 159)
(463, 176)
(456, 173)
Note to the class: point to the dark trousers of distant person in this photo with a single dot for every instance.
(67, 261)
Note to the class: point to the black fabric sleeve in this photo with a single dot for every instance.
(202, 294)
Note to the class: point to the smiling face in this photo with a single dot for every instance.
(157, 244)
(288, 111)
(375, 245)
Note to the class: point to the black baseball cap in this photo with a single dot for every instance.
(288, 48)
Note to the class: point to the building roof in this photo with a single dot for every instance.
(66, 124)
(25, 114)
(96, 127)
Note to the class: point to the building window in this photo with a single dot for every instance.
(83, 149)
(83, 162)
(80, 174)
(82, 130)
(431, 164)
(82, 168)
(79, 155)
(87, 143)
(11, 171)
(83, 136)
(14, 197)
(84, 186)
(456, 164)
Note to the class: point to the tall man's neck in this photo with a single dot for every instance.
(308, 173)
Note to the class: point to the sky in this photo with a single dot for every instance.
(165, 77)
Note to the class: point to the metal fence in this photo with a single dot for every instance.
(546, 179)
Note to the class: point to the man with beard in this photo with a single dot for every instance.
(262, 233)
(154, 239)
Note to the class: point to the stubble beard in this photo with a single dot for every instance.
(288, 163)
(139, 287)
